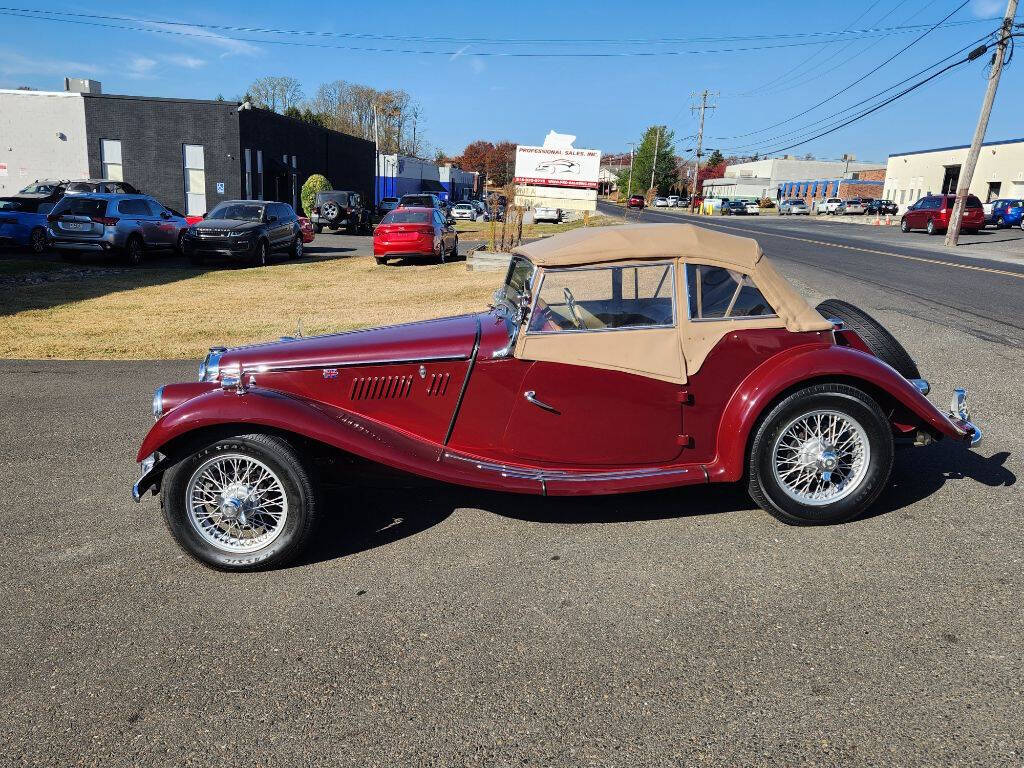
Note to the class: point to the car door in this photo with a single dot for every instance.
(280, 230)
(913, 215)
(605, 382)
(136, 218)
(165, 232)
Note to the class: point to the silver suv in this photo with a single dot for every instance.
(128, 225)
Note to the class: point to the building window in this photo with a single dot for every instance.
(248, 174)
(259, 172)
(194, 162)
(110, 158)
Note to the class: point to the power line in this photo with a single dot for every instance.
(859, 80)
(809, 126)
(181, 30)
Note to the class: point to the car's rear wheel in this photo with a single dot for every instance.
(133, 251)
(882, 343)
(381, 260)
(295, 251)
(821, 456)
(930, 229)
(37, 241)
(1000, 222)
(241, 503)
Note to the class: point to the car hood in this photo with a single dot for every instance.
(227, 224)
(449, 338)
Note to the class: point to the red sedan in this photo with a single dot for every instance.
(931, 213)
(415, 233)
(306, 227)
(636, 201)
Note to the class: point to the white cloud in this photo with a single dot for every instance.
(182, 60)
(14, 63)
(984, 9)
(228, 46)
(141, 67)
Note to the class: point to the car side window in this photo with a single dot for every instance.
(605, 299)
(715, 293)
(133, 207)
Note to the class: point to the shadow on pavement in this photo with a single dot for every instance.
(360, 518)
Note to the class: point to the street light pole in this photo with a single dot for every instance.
(629, 185)
(967, 171)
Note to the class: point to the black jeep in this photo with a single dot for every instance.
(338, 209)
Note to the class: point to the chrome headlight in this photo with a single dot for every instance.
(240, 233)
(209, 369)
(158, 403)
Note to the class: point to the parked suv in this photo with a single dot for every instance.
(338, 209)
(423, 200)
(636, 201)
(828, 205)
(882, 206)
(248, 230)
(931, 213)
(128, 225)
(386, 205)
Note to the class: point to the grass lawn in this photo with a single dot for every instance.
(170, 312)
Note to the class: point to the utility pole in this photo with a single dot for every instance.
(629, 185)
(376, 159)
(967, 171)
(702, 107)
(654, 162)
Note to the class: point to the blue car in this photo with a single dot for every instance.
(1008, 213)
(23, 224)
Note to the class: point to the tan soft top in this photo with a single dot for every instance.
(697, 245)
(595, 245)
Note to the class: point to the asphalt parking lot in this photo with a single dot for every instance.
(441, 626)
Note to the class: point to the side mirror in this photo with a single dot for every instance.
(271, 218)
(165, 214)
(451, 221)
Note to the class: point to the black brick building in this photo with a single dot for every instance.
(191, 154)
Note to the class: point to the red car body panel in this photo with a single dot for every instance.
(410, 239)
(433, 399)
(306, 227)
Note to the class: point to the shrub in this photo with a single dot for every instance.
(313, 186)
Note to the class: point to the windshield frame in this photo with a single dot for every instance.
(514, 306)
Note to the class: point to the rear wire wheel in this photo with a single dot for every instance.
(821, 456)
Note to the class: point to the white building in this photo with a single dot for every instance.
(1000, 172)
(761, 178)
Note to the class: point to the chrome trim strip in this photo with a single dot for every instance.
(263, 368)
(465, 383)
(545, 476)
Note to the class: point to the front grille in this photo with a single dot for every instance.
(380, 387)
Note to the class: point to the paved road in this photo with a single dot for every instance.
(978, 294)
(440, 626)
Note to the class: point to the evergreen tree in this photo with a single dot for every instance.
(666, 173)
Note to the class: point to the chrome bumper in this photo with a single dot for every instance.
(958, 410)
(150, 475)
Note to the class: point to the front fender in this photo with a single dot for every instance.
(811, 364)
(344, 430)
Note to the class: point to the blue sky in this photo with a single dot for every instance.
(606, 102)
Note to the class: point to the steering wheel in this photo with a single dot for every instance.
(570, 301)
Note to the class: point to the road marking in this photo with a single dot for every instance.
(940, 262)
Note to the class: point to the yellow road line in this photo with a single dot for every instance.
(940, 262)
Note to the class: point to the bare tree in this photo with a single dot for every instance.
(276, 93)
(349, 108)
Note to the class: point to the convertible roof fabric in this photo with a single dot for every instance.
(685, 242)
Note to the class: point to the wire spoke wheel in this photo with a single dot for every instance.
(236, 503)
(821, 457)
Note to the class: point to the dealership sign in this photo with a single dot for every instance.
(557, 167)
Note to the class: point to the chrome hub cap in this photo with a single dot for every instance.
(821, 457)
(236, 503)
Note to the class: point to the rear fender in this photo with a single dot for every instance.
(812, 365)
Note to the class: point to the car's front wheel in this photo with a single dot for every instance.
(37, 241)
(821, 456)
(241, 503)
(262, 257)
(904, 225)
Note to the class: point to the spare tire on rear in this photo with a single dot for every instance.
(882, 343)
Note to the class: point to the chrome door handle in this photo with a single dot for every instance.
(531, 397)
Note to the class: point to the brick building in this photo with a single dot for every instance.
(867, 183)
(188, 153)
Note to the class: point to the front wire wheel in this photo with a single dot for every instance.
(821, 456)
(241, 503)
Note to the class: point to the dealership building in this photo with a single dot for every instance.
(999, 173)
(189, 154)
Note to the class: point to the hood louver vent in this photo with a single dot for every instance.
(380, 387)
(438, 384)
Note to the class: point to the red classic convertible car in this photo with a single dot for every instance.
(615, 359)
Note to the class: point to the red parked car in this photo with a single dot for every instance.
(415, 233)
(636, 201)
(306, 228)
(931, 213)
(613, 359)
